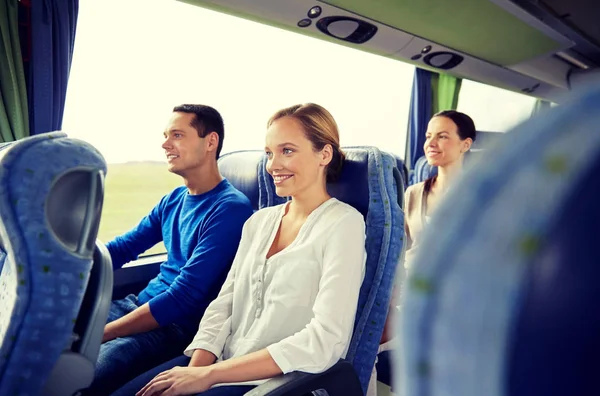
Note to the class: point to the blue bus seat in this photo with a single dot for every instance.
(403, 172)
(51, 193)
(241, 169)
(401, 175)
(371, 182)
(507, 303)
(422, 171)
(244, 169)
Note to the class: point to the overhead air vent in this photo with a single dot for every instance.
(443, 60)
(347, 28)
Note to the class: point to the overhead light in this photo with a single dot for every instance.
(304, 22)
(314, 12)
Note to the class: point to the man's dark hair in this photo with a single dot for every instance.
(206, 120)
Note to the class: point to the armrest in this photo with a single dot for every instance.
(95, 305)
(339, 380)
(134, 277)
(74, 369)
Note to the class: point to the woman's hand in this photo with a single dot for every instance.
(179, 381)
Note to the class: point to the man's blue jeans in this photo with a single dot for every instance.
(123, 359)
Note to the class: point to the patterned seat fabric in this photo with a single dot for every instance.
(376, 172)
(51, 191)
(246, 171)
(422, 171)
(507, 302)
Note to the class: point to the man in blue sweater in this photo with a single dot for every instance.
(200, 225)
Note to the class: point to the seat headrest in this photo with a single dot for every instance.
(352, 186)
(241, 169)
(245, 171)
(66, 176)
(422, 171)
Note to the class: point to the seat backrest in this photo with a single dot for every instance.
(403, 171)
(400, 173)
(246, 171)
(371, 182)
(51, 192)
(507, 303)
(422, 171)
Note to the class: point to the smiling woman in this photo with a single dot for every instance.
(287, 161)
(449, 136)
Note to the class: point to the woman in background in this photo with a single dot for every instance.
(449, 136)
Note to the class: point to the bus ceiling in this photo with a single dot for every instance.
(526, 46)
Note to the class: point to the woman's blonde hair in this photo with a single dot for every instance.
(320, 128)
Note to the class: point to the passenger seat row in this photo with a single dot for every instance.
(56, 280)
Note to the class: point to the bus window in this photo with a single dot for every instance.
(493, 109)
(125, 81)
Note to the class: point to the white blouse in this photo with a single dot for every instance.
(300, 303)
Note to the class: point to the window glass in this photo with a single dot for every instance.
(135, 60)
(493, 109)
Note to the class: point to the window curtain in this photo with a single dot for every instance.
(14, 122)
(53, 38)
(419, 114)
(431, 93)
(445, 92)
